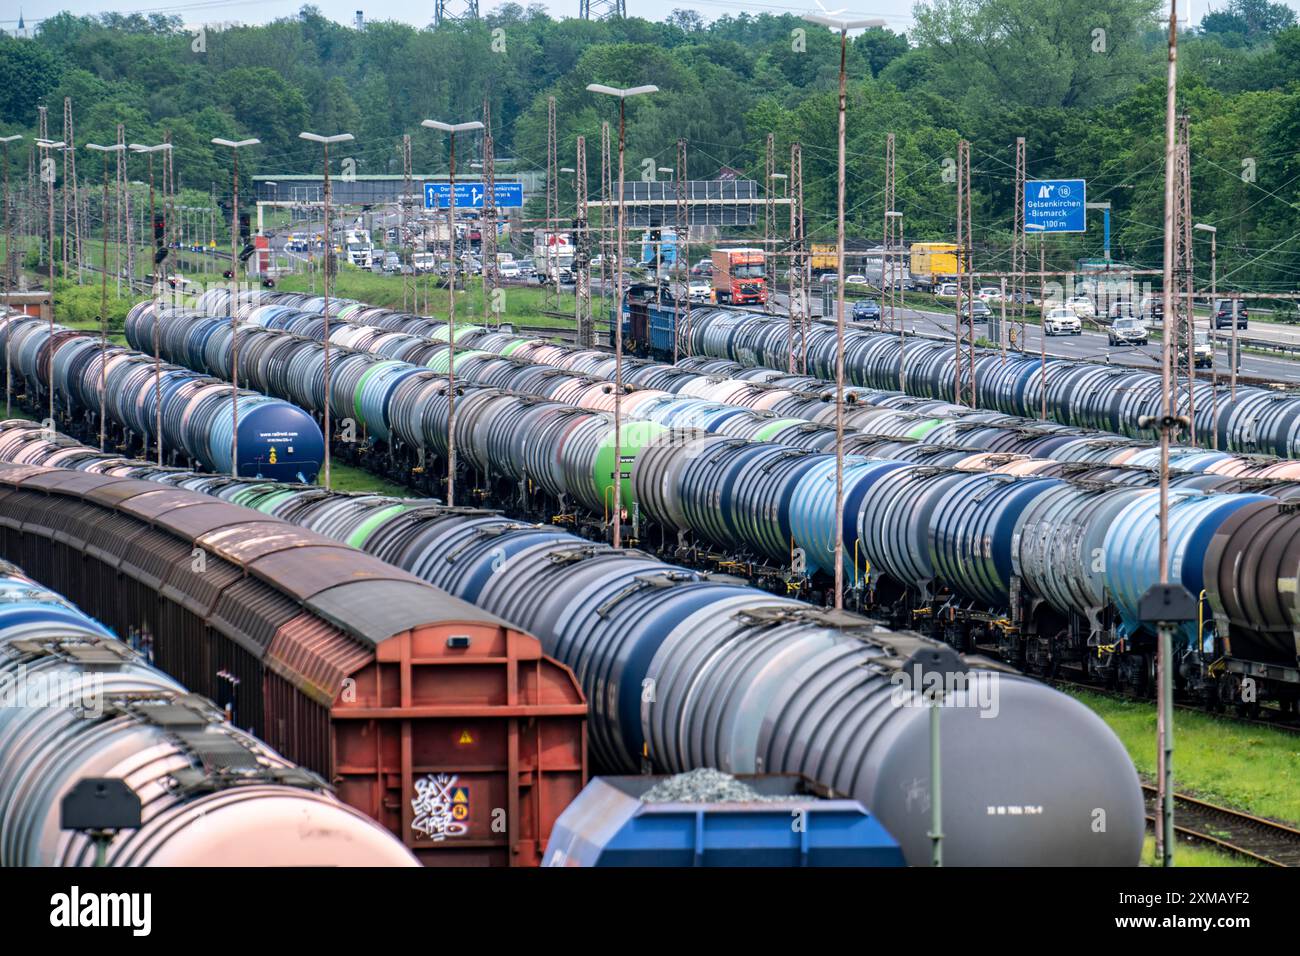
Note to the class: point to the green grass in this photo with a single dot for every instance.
(1252, 768)
(522, 305)
(1192, 854)
(350, 478)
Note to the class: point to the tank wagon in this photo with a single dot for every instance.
(1088, 394)
(275, 439)
(873, 413)
(685, 669)
(80, 703)
(966, 572)
(390, 689)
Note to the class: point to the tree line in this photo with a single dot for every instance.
(1081, 80)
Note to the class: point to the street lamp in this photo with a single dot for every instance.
(617, 476)
(843, 26)
(105, 151)
(451, 129)
(160, 253)
(234, 146)
(325, 142)
(1214, 292)
(48, 144)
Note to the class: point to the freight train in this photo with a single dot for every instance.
(390, 689)
(1087, 394)
(274, 439)
(687, 669)
(78, 703)
(756, 491)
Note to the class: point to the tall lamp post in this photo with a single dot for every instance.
(47, 145)
(105, 151)
(234, 146)
(325, 142)
(451, 129)
(843, 26)
(1214, 292)
(617, 476)
(157, 261)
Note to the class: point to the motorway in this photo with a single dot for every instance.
(1091, 345)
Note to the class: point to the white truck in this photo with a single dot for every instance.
(359, 249)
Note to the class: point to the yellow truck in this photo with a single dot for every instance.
(933, 263)
(822, 257)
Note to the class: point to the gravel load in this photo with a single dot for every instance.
(706, 785)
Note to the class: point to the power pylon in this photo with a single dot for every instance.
(405, 231)
(1184, 315)
(488, 221)
(552, 294)
(123, 214)
(683, 250)
(1019, 253)
(606, 233)
(70, 184)
(769, 211)
(454, 11)
(601, 9)
(964, 386)
(582, 251)
(893, 239)
(799, 278)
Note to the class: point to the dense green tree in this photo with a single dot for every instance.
(1083, 82)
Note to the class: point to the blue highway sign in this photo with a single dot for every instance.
(1055, 205)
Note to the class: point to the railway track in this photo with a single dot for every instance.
(1241, 834)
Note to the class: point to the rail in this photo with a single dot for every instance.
(1234, 831)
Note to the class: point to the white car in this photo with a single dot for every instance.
(947, 291)
(856, 280)
(990, 293)
(697, 290)
(1062, 321)
(508, 270)
(1082, 306)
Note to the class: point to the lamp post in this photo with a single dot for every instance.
(234, 146)
(47, 144)
(843, 26)
(1214, 292)
(157, 261)
(617, 476)
(103, 295)
(325, 142)
(451, 129)
(1168, 421)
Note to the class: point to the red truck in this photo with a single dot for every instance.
(739, 276)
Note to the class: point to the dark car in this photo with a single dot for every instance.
(866, 310)
(1223, 314)
(976, 311)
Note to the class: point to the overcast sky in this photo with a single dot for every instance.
(896, 12)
